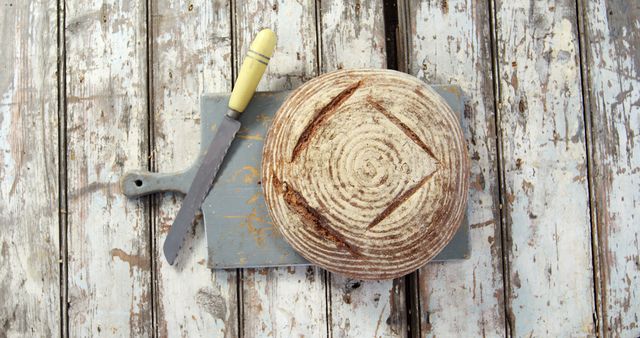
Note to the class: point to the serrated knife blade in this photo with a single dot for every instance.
(200, 186)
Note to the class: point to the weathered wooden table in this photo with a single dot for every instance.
(92, 88)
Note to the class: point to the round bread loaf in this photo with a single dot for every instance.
(365, 172)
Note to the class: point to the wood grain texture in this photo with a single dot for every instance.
(448, 43)
(361, 182)
(282, 302)
(29, 240)
(544, 170)
(612, 31)
(352, 36)
(109, 241)
(191, 47)
(108, 235)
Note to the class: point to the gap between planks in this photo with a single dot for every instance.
(62, 166)
(234, 73)
(497, 105)
(152, 202)
(396, 37)
(598, 316)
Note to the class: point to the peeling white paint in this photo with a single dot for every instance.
(551, 278)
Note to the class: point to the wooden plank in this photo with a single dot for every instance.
(29, 240)
(109, 270)
(352, 36)
(191, 47)
(546, 210)
(367, 308)
(612, 30)
(285, 302)
(448, 43)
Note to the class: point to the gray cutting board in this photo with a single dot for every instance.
(239, 231)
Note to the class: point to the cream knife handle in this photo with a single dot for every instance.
(253, 66)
